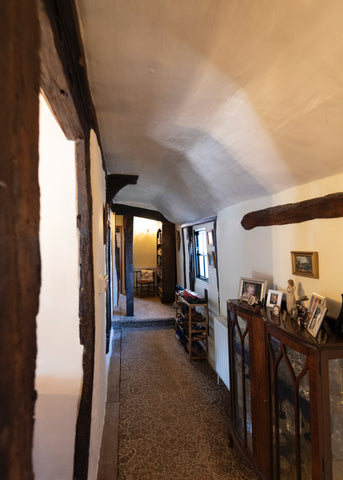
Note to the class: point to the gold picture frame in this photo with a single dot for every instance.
(212, 259)
(210, 238)
(305, 264)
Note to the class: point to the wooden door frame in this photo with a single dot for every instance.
(25, 69)
(20, 265)
(65, 85)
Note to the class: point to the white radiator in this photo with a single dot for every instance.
(221, 352)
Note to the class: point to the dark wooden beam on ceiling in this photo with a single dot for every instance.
(329, 206)
(115, 182)
(67, 37)
(53, 81)
(121, 209)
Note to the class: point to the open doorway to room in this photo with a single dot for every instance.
(147, 250)
(145, 256)
(59, 356)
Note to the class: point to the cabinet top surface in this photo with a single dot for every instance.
(283, 324)
(199, 303)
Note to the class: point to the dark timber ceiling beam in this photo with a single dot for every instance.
(53, 82)
(121, 209)
(67, 38)
(329, 206)
(115, 182)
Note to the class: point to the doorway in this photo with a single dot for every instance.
(145, 256)
(59, 357)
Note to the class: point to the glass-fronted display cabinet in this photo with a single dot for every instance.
(250, 420)
(302, 388)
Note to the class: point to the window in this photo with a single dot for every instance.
(201, 261)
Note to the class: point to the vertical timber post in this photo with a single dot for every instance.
(129, 265)
(19, 233)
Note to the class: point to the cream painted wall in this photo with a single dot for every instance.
(144, 242)
(98, 186)
(59, 357)
(264, 252)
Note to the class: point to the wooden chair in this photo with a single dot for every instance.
(145, 282)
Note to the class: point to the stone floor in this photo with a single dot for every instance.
(145, 308)
(166, 418)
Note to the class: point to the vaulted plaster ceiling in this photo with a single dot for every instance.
(212, 102)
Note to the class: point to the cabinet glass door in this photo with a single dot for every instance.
(292, 456)
(242, 381)
(336, 413)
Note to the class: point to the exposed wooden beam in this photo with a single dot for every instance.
(20, 265)
(67, 38)
(86, 309)
(115, 182)
(129, 265)
(121, 209)
(54, 84)
(329, 206)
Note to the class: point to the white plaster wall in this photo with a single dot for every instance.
(59, 358)
(264, 252)
(101, 361)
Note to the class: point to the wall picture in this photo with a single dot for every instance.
(305, 264)
(212, 259)
(210, 238)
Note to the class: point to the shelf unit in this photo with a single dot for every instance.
(286, 396)
(165, 262)
(191, 325)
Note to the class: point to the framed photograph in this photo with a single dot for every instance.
(305, 264)
(211, 259)
(316, 321)
(210, 238)
(274, 298)
(314, 302)
(251, 289)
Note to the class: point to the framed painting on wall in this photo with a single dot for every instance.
(305, 264)
(212, 259)
(210, 238)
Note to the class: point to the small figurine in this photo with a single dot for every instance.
(291, 303)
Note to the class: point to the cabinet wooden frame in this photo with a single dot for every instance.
(259, 455)
(274, 340)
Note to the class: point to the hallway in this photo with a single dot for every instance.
(173, 417)
(145, 308)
